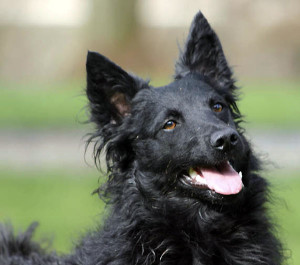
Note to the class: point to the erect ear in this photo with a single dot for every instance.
(110, 89)
(203, 54)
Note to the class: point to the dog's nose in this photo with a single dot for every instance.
(224, 139)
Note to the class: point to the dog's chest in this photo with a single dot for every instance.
(205, 250)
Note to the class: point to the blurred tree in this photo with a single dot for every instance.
(112, 21)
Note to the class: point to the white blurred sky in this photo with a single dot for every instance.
(44, 12)
(151, 13)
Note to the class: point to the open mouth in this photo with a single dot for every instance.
(222, 179)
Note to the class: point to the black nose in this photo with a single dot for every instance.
(224, 139)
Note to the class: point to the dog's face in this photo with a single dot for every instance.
(176, 141)
(186, 133)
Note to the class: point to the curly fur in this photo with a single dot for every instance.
(156, 217)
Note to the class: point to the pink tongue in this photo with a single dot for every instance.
(225, 181)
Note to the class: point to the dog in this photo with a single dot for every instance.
(183, 182)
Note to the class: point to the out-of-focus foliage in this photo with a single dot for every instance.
(62, 105)
(60, 200)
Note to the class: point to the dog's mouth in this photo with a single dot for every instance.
(222, 179)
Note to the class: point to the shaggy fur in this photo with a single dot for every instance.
(154, 139)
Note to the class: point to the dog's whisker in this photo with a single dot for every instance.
(162, 255)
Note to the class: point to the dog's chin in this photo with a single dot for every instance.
(216, 184)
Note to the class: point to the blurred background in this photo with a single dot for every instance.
(44, 175)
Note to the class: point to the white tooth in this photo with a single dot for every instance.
(196, 177)
(201, 180)
(193, 174)
(241, 174)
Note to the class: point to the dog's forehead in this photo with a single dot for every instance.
(190, 89)
(185, 94)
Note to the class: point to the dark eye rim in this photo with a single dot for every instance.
(172, 126)
(218, 109)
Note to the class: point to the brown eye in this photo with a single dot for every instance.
(218, 107)
(170, 125)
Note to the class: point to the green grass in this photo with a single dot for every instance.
(271, 104)
(287, 188)
(42, 105)
(61, 201)
(265, 104)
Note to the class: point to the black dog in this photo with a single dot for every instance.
(183, 182)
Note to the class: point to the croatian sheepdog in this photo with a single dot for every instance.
(183, 182)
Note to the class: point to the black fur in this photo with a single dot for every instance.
(152, 137)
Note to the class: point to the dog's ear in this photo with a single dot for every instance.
(110, 89)
(203, 54)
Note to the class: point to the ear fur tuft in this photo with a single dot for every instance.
(203, 54)
(110, 89)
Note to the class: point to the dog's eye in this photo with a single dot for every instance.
(170, 125)
(218, 107)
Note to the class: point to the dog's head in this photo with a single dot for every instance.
(181, 141)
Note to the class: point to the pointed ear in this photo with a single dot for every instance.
(203, 54)
(110, 89)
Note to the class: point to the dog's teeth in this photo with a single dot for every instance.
(241, 174)
(196, 178)
(193, 174)
(201, 180)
